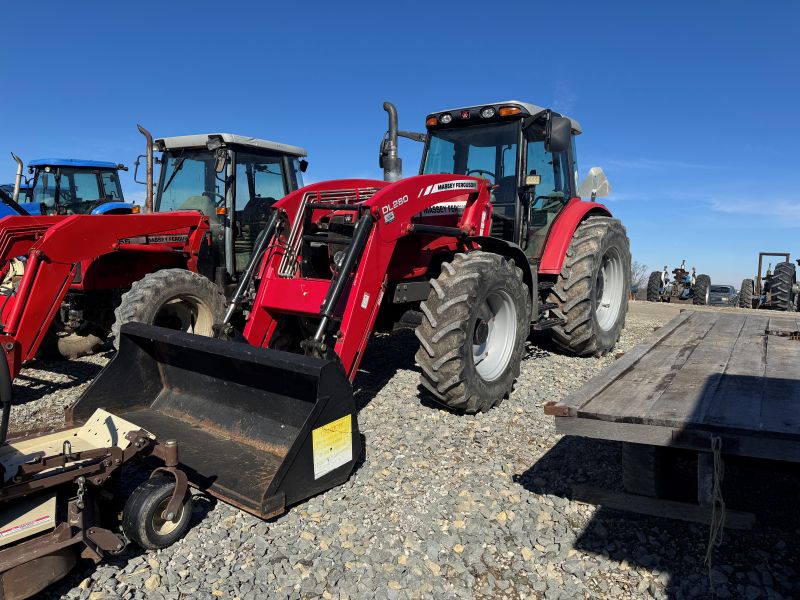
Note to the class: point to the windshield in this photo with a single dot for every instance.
(488, 151)
(71, 191)
(189, 182)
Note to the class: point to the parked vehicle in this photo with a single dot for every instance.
(490, 240)
(723, 295)
(774, 290)
(684, 286)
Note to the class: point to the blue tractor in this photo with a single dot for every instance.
(67, 186)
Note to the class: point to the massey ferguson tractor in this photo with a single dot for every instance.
(684, 286)
(488, 242)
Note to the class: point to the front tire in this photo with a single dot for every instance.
(654, 287)
(702, 290)
(476, 320)
(784, 278)
(746, 293)
(591, 293)
(142, 519)
(172, 298)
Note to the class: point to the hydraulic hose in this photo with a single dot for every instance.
(5, 399)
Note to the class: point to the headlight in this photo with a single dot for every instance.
(445, 118)
(488, 112)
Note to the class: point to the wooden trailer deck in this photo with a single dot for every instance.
(730, 375)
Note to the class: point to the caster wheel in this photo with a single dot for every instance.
(142, 519)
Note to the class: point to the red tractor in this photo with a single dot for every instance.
(490, 240)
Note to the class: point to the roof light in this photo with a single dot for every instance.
(507, 111)
(488, 112)
(221, 210)
(431, 122)
(445, 118)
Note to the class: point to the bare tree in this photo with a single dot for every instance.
(639, 275)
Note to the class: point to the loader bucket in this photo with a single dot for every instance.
(260, 429)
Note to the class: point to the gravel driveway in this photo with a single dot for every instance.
(447, 506)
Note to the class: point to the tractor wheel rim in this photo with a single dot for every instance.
(161, 525)
(494, 335)
(185, 313)
(609, 290)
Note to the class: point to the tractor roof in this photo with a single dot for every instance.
(200, 140)
(532, 110)
(73, 162)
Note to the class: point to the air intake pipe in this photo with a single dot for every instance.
(18, 178)
(392, 164)
(148, 199)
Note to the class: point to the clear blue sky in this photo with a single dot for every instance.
(691, 107)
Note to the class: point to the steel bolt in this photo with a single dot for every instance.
(9, 346)
(170, 516)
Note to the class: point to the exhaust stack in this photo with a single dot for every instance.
(18, 178)
(148, 199)
(392, 164)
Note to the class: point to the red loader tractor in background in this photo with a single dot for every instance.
(490, 240)
(233, 181)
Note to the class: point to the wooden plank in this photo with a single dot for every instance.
(736, 402)
(658, 507)
(630, 395)
(741, 443)
(693, 387)
(620, 367)
(781, 323)
(780, 404)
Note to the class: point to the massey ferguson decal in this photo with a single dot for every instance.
(156, 239)
(461, 184)
(446, 208)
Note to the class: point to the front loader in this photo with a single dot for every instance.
(488, 242)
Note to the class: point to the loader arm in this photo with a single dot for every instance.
(54, 245)
(347, 304)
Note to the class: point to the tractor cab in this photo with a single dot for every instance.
(66, 186)
(525, 151)
(234, 180)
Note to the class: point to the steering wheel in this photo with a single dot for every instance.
(470, 171)
(552, 201)
(213, 195)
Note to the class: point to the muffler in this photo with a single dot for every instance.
(260, 429)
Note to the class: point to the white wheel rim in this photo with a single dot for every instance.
(494, 335)
(161, 525)
(609, 289)
(186, 313)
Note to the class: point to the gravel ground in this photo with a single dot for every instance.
(451, 506)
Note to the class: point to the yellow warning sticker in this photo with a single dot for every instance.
(333, 445)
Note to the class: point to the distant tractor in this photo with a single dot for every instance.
(776, 290)
(684, 286)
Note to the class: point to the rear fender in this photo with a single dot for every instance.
(515, 253)
(562, 231)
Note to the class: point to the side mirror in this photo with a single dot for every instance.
(557, 134)
(220, 159)
(595, 185)
(303, 165)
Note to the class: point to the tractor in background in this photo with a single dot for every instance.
(684, 286)
(230, 180)
(774, 289)
(67, 186)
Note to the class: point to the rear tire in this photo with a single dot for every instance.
(783, 279)
(172, 298)
(654, 287)
(591, 293)
(476, 320)
(141, 518)
(702, 290)
(68, 346)
(746, 293)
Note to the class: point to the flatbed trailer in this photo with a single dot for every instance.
(719, 383)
